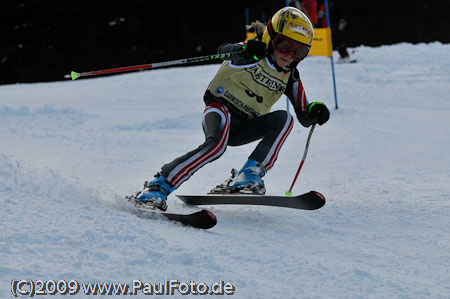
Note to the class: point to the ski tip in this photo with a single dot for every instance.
(211, 215)
(74, 75)
(320, 195)
(209, 221)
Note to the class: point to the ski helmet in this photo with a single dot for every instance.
(292, 25)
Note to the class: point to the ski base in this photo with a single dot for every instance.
(312, 200)
(203, 219)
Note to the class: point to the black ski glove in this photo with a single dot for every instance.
(319, 113)
(254, 49)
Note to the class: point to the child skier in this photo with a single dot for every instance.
(238, 102)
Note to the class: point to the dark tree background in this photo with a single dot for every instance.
(41, 40)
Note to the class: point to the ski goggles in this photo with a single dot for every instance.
(287, 46)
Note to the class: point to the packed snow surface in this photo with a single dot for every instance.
(70, 151)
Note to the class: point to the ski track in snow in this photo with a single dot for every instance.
(70, 151)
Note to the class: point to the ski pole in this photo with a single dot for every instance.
(75, 75)
(289, 192)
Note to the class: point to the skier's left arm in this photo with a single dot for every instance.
(307, 114)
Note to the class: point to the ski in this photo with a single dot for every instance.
(312, 200)
(203, 219)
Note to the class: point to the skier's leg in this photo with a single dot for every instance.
(216, 124)
(273, 129)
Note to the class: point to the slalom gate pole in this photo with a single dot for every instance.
(332, 61)
(75, 75)
(289, 192)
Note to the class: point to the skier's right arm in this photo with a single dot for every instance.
(229, 48)
(250, 51)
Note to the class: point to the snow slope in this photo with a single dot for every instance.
(70, 151)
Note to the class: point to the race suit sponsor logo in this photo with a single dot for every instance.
(265, 79)
(239, 104)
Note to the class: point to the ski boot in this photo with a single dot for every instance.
(154, 195)
(225, 188)
(249, 179)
